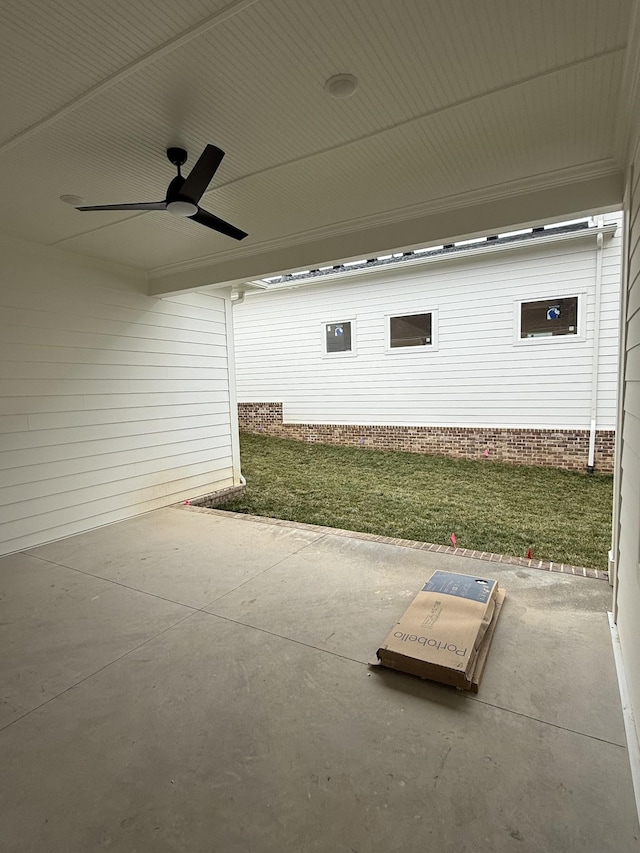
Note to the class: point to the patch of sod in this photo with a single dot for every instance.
(491, 506)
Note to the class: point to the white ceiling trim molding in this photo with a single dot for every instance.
(561, 201)
(556, 178)
(151, 56)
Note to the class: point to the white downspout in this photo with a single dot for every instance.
(238, 301)
(596, 353)
(238, 478)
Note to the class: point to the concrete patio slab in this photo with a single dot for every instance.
(202, 732)
(212, 558)
(219, 737)
(58, 626)
(355, 590)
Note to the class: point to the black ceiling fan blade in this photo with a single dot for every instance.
(141, 205)
(211, 221)
(200, 176)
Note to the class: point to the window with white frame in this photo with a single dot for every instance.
(411, 330)
(549, 318)
(338, 337)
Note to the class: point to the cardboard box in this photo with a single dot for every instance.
(446, 631)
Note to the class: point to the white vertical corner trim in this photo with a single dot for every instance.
(620, 395)
(238, 479)
(630, 727)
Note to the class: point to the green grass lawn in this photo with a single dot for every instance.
(490, 506)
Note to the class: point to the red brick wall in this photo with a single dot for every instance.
(555, 448)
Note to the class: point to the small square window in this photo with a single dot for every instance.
(412, 330)
(548, 318)
(338, 337)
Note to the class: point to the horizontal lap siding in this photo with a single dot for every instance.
(478, 376)
(111, 403)
(628, 586)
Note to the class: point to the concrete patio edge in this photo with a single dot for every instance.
(542, 565)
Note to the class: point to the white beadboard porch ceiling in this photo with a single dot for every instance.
(458, 100)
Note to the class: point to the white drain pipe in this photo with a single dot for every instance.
(238, 478)
(596, 352)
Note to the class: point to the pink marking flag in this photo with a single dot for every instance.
(486, 453)
(454, 541)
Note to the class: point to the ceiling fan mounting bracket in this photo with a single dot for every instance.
(177, 156)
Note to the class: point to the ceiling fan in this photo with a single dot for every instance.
(183, 194)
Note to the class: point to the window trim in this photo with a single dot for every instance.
(346, 353)
(432, 347)
(551, 340)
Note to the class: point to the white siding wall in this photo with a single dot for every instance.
(111, 403)
(628, 575)
(478, 376)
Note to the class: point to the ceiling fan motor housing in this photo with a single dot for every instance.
(177, 203)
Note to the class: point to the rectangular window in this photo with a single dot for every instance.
(338, 337)
(548, 318)
(410, 330)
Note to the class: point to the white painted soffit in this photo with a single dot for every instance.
(458, 104)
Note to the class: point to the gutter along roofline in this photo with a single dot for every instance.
(440, 255)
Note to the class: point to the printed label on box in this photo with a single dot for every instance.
(462, 586)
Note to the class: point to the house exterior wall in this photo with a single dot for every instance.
(112, 403)
(478, 377)
(627, 596)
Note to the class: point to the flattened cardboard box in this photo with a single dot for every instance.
(446, 631)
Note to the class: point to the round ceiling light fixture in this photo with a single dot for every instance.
(73, 200)
(182, 208)
(341, 85)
